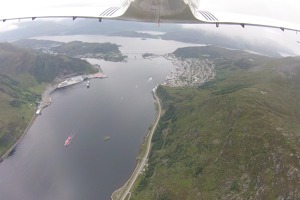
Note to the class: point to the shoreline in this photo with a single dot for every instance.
(50, 87)
(45, 102)
(6, 154)
(123, 191)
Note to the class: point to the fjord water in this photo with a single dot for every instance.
(120, 106)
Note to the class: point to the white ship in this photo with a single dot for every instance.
(71, 81)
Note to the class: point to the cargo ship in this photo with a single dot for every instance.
(71, 81)
(68, 140)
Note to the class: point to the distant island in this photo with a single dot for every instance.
(77, 49)
(148, 55)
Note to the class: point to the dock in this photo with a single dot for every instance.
(46, 99)
(79, 79)
(72, 81)
(97, 75)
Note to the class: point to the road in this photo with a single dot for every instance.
(144, 159)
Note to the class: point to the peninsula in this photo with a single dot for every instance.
(77, 49)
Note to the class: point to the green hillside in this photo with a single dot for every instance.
(24, 75)
(106, 51)
(235, 137)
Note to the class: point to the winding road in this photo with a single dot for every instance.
(144, 159)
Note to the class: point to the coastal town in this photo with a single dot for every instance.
(190, 72)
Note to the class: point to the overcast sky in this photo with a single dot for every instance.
(288, 10)
(279, 9)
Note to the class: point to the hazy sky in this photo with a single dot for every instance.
(288, 10)
(280, 9)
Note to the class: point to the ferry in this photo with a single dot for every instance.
(68, 140)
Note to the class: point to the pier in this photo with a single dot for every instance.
(46, 99)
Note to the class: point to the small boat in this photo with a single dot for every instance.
(106, 138)
(68, 140)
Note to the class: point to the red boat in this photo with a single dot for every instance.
(68, 140)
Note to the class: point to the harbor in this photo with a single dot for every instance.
(46, 99)
(79, 79)
(89, 167)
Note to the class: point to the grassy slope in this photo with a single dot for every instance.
(235, 137)
(24, 75)
(17, 107)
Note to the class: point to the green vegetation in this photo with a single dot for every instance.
(235, 137)
(24, 75)
(17, 107)
(106, 51)
(46, 67)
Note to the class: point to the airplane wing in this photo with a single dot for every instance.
(161, 11)
(40, 9)
(219, 18)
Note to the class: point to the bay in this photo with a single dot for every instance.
(120, 106)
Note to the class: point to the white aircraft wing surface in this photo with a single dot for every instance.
(219, 18)
(161, 11)
(80, 9)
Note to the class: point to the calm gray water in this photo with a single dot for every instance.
(120, 106)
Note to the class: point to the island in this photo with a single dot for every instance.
(77, 49)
